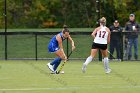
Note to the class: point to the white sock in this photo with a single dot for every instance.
(88, 60)
(106, 66)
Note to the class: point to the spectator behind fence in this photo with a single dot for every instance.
(132, 38)
(115, 40)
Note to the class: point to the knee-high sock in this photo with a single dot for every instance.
(88, 60)
(55, 61)
(106, 65)
(57, 64)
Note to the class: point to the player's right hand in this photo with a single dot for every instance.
(64, 57)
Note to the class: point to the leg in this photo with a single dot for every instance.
(89, 59)
(111, 49)
(126, 49)
(55, 63)
(60, 57)
(136, 48)
(130, 42)
(118, 50)
(106, 65)
(55, 60)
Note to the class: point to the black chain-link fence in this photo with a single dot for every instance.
(33, 45)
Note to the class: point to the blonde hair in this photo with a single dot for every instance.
(103, 21)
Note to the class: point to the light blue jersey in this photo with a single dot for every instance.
(53, 44)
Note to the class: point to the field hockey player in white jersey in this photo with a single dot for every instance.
(101, 37)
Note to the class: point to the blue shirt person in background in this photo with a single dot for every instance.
(132, 38)
(55, 46)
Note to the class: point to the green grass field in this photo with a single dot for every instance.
(33, 77)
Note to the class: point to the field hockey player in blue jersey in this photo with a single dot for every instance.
(55, 46)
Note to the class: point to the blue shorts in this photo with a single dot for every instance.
(52, 47)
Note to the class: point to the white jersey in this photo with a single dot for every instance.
(101, 36)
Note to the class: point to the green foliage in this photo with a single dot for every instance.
(120, 9)
(1, 14)
(74, 13)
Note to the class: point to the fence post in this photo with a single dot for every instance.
(121, 50)
(5, 19)
(36, 46)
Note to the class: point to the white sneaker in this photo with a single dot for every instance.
(119, 60)
(84, 68)
(108, 71)
(50, 67)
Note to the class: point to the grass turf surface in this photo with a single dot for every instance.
(33, 77)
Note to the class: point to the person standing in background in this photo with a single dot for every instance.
(132, 38)
(115, 39)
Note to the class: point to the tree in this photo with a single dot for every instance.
(120, 10)
(74, 13)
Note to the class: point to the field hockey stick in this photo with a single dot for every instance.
(63, 63)
(111, 55)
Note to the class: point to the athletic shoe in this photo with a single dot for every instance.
(50, 67)
(108, 71)
(84, 68)
(119, 60)
(54, 72)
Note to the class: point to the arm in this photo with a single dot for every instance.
(138, 27)
(72, 42)
(94, 33)
(108, 39)
(58, 38)
(121, 29)
(126, 29)
(111, 27)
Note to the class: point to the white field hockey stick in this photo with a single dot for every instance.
(111, 55)
(63, 64)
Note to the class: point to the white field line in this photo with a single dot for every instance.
(68, 88)
(31, 89)
(121, 87)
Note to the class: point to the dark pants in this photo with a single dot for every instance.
(115, 44)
